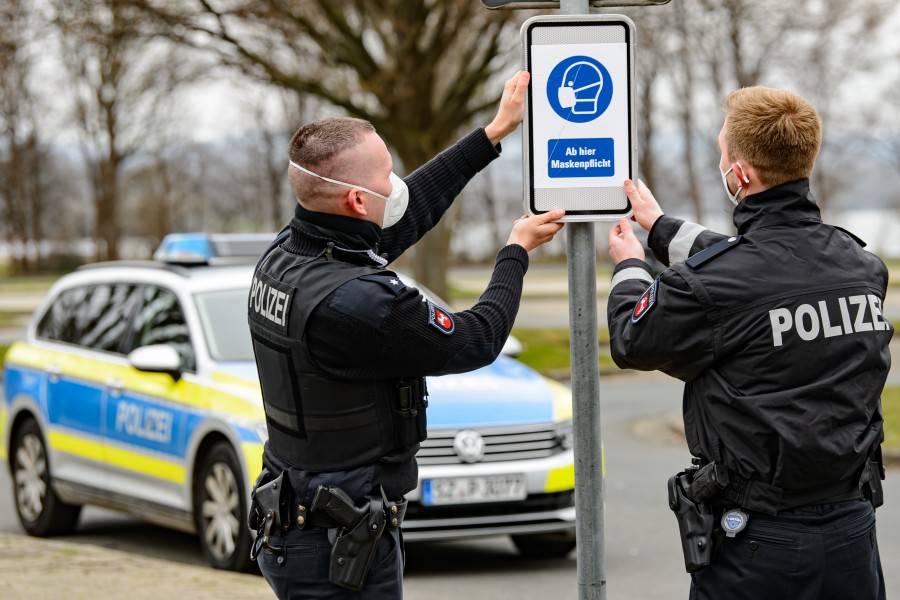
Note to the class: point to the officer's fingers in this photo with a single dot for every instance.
(633, 194)
(549, 216)
(520, 82)
(615, 237)
(645, 192)
(509, 88)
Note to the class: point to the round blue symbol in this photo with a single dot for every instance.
(579, 89)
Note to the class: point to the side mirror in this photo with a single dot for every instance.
(158, 358)
(512, 347)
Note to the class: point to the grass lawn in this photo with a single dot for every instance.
(547, 350)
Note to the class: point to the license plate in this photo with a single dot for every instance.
(463, 490)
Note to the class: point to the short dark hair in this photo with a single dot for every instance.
(776, 131)
(317, 146)
(321, 140)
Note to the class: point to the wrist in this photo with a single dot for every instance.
(496, 132)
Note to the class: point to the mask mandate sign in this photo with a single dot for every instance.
(579, 121)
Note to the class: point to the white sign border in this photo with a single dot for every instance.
(527, 154)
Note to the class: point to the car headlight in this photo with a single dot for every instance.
(565, 434)
(262, 432)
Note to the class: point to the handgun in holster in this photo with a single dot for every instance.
(269, 510)
(360, 529)
(870, 478)
(694, 515)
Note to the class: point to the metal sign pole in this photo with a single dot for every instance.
(582, 261)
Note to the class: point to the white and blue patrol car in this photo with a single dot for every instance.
(135, 389)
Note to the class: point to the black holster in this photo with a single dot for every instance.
(354, 550)
(359, 529)
(270, 502)
(870, 479)
(695, 522)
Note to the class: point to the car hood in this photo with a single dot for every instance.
(505, 392)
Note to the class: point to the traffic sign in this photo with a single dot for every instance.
(579, 127)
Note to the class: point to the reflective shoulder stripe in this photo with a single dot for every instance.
(680, 246)
(630, 273)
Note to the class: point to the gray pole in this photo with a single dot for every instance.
(585, 357)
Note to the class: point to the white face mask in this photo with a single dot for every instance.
(733, 197)
(396, 203)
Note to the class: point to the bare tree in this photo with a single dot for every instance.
(23, 154)
(119, 71)
(417, 69)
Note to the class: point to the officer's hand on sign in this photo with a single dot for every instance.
(512, 108)
(531, 232)
(645, 208)
(623, 244)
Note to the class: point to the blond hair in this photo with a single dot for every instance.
(776, 131)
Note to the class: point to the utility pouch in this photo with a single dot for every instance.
(695, 522)
(354, 549)
(409, 413)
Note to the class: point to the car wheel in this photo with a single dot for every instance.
(545, 545)
(40, 510)
(219, 510)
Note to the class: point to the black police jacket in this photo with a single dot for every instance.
(779, 335)
(372, 330)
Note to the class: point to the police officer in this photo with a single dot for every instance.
(343, 346)
(779, 336)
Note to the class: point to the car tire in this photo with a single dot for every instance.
(39, 509)
(220, 510)
(545, 545)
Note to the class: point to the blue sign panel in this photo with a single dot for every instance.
(589, 157)
(579, 89)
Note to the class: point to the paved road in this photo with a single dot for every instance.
(643, 555)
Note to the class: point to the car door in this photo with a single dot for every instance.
(145, 416)
(85, 327)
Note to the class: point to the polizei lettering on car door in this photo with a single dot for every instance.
(270, 301)
(828, 318)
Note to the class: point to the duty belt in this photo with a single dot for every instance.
(354, 529)
(713, 480)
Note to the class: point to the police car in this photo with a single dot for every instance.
(136, 389)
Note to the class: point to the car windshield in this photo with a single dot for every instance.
(223, 314)
(224, 317)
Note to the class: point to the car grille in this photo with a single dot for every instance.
(500, 444)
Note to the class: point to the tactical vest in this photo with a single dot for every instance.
(317, 422)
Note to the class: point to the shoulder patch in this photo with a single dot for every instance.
(717, 249)
(440, 319)
(850, 233)
(368, 298)
(646, 302)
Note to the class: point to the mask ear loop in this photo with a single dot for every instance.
(336, 182)
(744, 173)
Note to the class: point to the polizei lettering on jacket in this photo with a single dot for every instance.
(851, 314)
(270, 300)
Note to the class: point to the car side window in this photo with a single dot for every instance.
(58, 323)
(161, 321)
(95, 317)
(104, 315)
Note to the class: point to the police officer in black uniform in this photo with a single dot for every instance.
(343, 347)
(778, 333)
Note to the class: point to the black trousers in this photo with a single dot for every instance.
(818, 552)
(303, 570)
